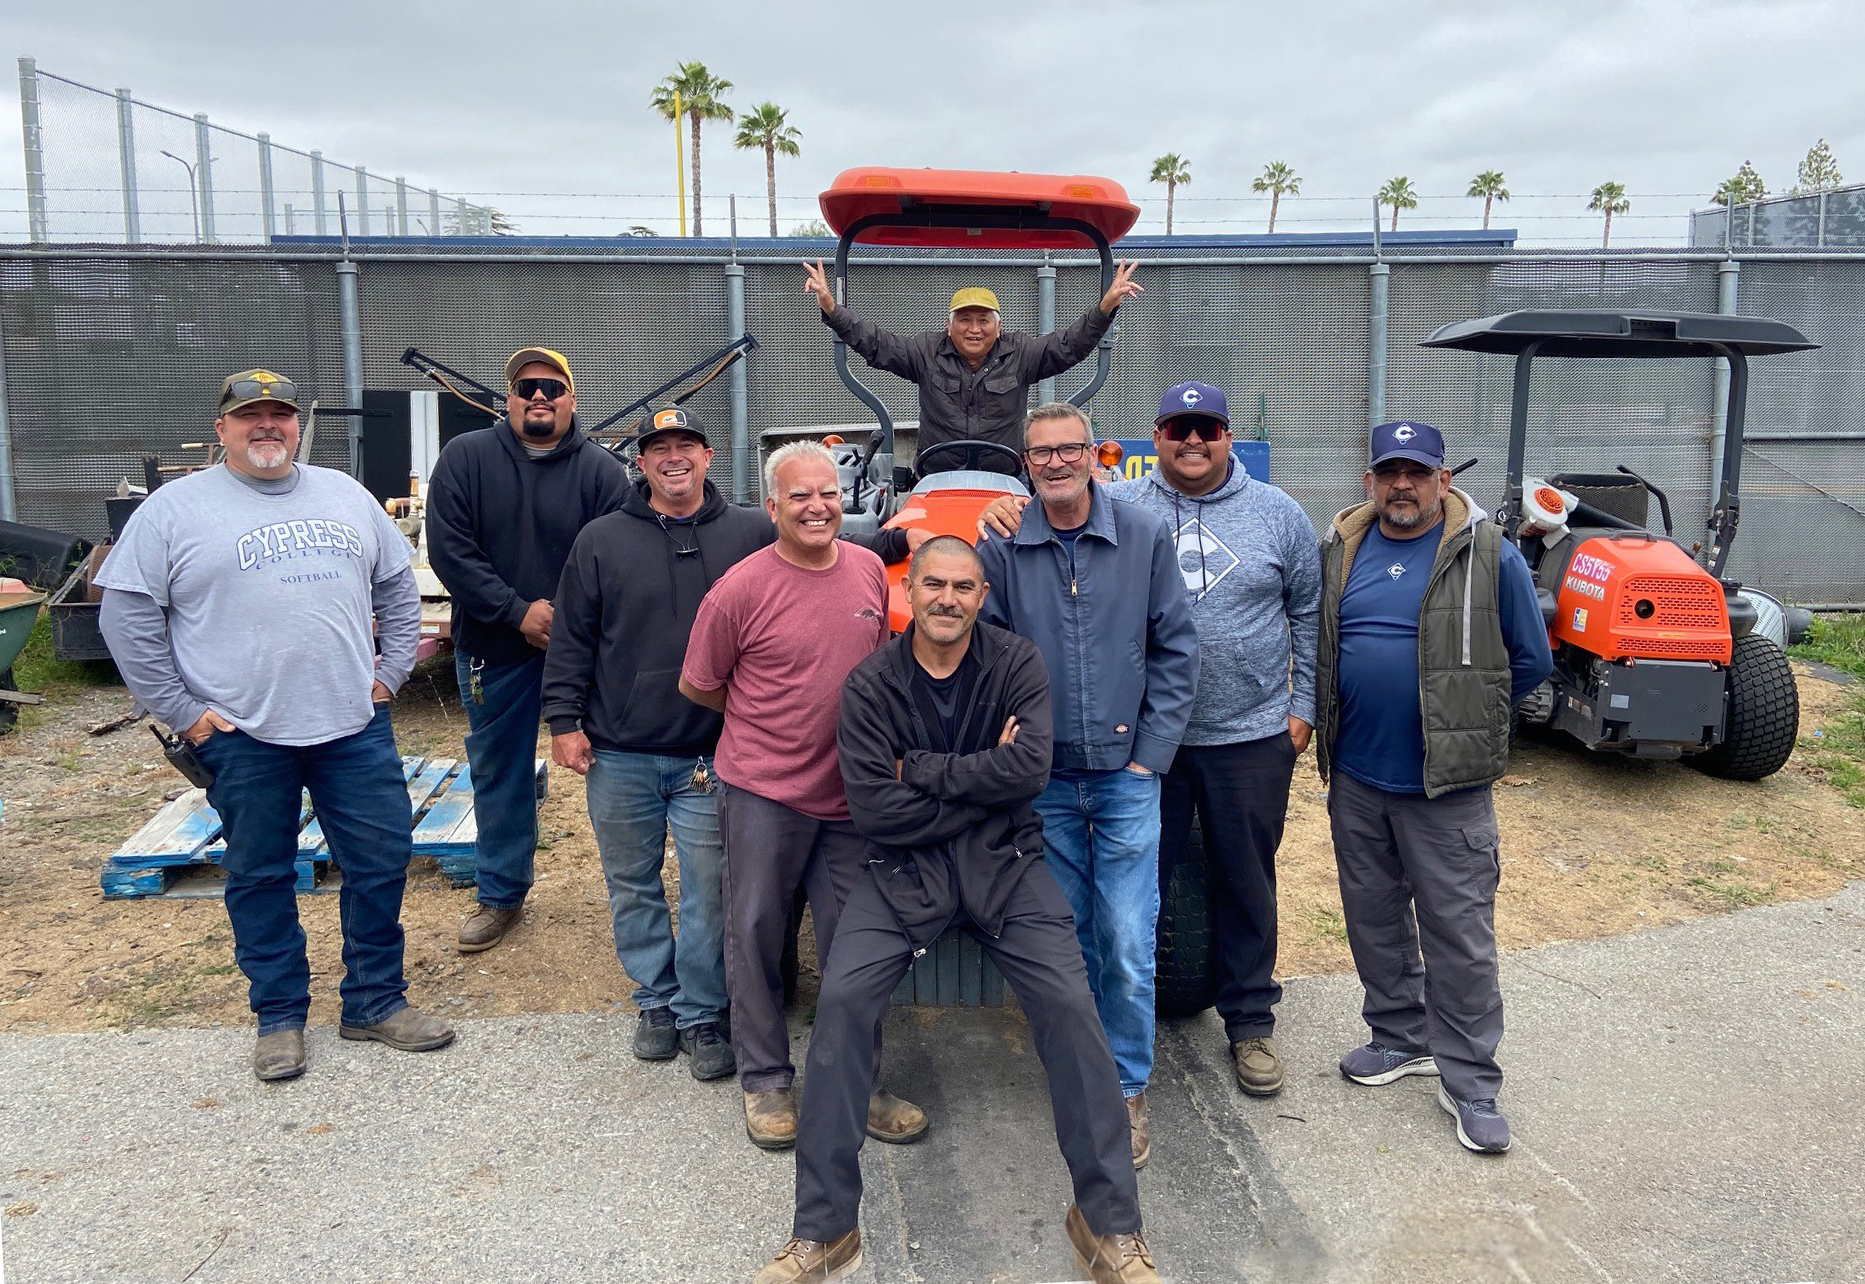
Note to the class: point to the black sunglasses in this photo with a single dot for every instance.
(1181, 429)
(525, 389)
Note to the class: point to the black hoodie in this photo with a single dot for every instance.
(500, 524)
(625, 608)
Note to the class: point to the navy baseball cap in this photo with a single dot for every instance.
(1194, 398)
(1418, 442)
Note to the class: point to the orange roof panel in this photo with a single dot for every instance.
(858, 193)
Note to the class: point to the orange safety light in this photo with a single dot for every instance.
(833, 440)
(1109, 454)
(1550, 499)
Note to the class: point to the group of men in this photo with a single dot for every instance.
(1109, 664)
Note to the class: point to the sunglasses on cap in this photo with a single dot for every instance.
(1183, 427)
(525, 389)
(259, 390)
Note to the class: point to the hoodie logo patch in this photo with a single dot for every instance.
(1204, 559)
(1396, 570)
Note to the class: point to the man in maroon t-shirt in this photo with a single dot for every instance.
(774, 640)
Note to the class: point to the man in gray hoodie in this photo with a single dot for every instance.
(1252, 569)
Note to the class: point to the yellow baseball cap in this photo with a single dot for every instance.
(525, 356)
(974, 297)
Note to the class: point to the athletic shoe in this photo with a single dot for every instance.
(1480, 1126)
(712, 1055)
(655, 1036)
(1376, 1065)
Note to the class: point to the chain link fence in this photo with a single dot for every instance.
(108, 354)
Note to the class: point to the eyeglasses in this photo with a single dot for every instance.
(1183, 429)
(1415, 473)
(258, 389)
(1070, 453)
(525, 389)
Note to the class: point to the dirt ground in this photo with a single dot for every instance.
(1592, 847)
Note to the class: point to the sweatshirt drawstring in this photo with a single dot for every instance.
(1469, 578)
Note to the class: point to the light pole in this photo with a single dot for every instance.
(194, 197)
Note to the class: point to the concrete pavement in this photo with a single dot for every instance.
(1688, 1104)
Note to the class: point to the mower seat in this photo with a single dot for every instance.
(1615, 494)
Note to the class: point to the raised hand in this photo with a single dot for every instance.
(818, 285)
(1124, 287)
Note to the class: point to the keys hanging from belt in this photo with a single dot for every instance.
(703, 779)
(474, 687)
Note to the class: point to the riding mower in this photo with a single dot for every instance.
(1656, 653)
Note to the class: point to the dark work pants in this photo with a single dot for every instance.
(770, 851)
(501, 749)
(1040, 956)
(1241, 794)
(1421, 873)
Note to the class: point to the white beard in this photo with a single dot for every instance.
(268, 454)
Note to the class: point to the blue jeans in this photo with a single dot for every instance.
(1101, 835)
(501, 750)
(634, 798)
(361, 801)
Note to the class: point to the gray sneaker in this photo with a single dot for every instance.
(655, 1036)
(712, 1055)
(1480, 1126)
(1376, 1065)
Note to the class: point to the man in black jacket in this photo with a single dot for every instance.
(624, 611)
(504, 505)
(944, 741)
(974, 379)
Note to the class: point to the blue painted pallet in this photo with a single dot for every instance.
(424, 776)
(954, 972)
(449, 833)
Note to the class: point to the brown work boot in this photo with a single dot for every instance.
(808, 1262)
(895, 1121)
(406, 1029)
(487, 927)
(1259, 1066)
(1109, 1259)
(771, 1118)
(279, 1055)
(1142, 1143)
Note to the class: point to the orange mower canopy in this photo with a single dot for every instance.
(977, 209)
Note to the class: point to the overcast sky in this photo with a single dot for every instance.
(510, 100)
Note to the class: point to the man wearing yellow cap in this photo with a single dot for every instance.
(504, 506)
(974, 379)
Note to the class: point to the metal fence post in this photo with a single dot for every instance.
(433, 212)
(741, 424)
(317, 192)
(1820, 239)
(1381, 276)
(204, 174)
(1727, 273)
(401, 206)
(362, 201)
(36, 225)
(126, 161)
(268, 227)
(350, 322)
(1046, 318)
(8, 513)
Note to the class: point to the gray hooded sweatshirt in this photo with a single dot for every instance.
(1252, 567)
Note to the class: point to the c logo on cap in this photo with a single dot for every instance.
(1404, 432)
(668, 419)
(1191, 396)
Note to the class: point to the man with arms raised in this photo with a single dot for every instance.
(944, 744)
(974, 380)
(238, 606)
(772, 644)
(1096, 585)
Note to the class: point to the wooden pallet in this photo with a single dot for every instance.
(449, 833)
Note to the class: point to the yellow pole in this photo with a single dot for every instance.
(679, 160)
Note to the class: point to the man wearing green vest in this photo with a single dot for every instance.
(1430, 632)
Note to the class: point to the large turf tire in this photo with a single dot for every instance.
(1186, 981)
(1763, 716)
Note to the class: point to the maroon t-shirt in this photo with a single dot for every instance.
(782, 639)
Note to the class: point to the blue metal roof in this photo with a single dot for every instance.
(1460, 238)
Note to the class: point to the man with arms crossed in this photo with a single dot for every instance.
(238, 608)
(944, 744)
(1430, 632)
(773, 642)
(1096, 585)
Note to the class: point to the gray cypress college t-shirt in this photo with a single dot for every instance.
(268, 596)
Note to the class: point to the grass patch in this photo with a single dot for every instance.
(38, 670)
(1838, 640)
(1732, 893)
(1328, 925)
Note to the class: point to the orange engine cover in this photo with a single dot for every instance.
(943, 512)
(1641, 598)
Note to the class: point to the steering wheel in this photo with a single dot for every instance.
(971, 454)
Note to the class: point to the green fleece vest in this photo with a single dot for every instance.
(1463, 662)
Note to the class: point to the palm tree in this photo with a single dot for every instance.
(1171, 169)
(1401, 195)
(1276, 179)
(1609, 199)
(702, 96)
(1490, 187)
(768, 126)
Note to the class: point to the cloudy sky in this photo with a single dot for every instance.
(523, 106)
